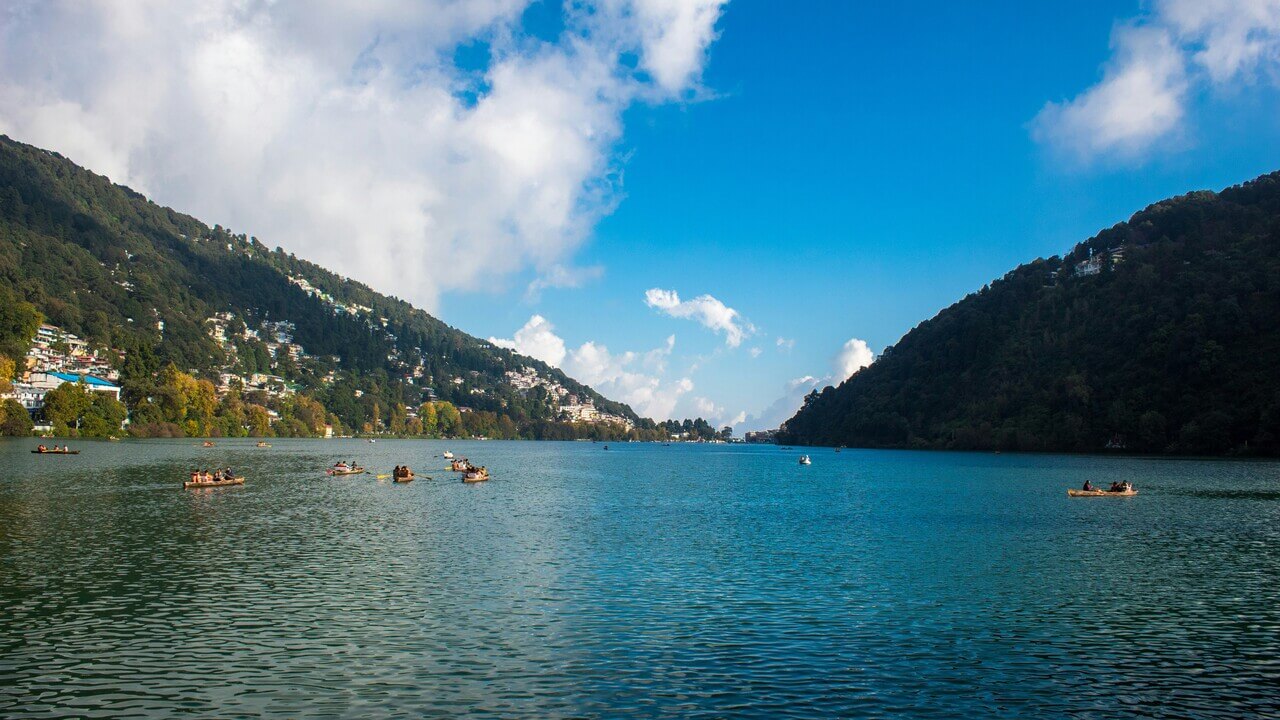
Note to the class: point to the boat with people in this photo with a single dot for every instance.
(402, 474)
(461, 466)
(55, 450)
(213, 483)
(207, 443)
(804, 460)
(1117, 489)
(217, 478)
(448, 455)
(264, 444)
(476, 475)
(341, 468)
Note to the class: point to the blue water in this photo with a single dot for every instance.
(642, 581)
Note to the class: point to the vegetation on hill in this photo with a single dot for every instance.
(103, 262)
(1159, 335)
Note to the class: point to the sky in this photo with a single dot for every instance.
(699, 207)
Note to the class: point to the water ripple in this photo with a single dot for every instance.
(586, 584)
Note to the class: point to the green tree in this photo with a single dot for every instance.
(66, 405)
(15, 421)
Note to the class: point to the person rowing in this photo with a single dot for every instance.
(1088, 486)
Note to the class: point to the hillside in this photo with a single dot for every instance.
(1160, 335)
(103, 262)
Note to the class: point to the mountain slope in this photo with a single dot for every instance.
(103, 262)
(1160, 334)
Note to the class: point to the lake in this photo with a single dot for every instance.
(641, 581)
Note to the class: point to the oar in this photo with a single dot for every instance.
(384, 476)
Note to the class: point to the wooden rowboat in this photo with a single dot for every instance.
(475, 477)
(348, 471)
(404, 478)
(56, 452)
(1072, 492)
(212, 483)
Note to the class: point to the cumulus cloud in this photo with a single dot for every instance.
(538, 340)
(853, 356)
(614, 375)
(704, 309)
(346, 132)
(1158, 62)
(782, 409)
(785, 344)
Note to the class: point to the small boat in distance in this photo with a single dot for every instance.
(804, 460)
(213, 483)
(448, 455)
(344, 469)
(263, 444)
(207, 443)
(476, 475)
(1073, 492)
(55, 450)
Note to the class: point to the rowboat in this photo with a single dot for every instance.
(212, 483)
(475, 477)
(206, 443)
(264, 444)
(804, 460)
(404, 478)
(1072, 492)
(348, 471)
(447, 455)
(56, 452)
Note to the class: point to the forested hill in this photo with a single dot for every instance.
(103, 262)
(1160, 335)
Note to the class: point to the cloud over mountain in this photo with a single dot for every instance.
(348, 132)
(1159, 62)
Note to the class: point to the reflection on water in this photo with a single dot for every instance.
(646, 581)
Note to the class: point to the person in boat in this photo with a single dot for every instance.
(396, 472)
(1088, 486)
(1116, 487)
(226, 474)
(42, 448)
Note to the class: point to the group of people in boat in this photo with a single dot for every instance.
(463, 465)
(54, 449)
(340, 466)
(203, 476)
(1117, 486)
(402, 471)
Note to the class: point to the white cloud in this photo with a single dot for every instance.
(706, 408)
(344, 131)
(853, 356)
(560, 276)
(782, 409)
(1158, 62)
(704, 309)
(538, 340)
(785, 344)
(675, 36)
(755, 352)
(650, 393)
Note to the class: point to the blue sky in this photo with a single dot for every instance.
(859, 167)
(810, 180)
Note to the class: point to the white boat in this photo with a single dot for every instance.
(804, 460)
(447, 455)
